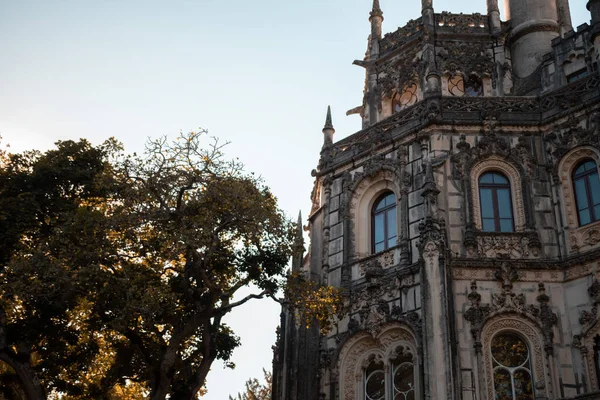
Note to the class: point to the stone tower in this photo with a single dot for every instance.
(462, 223)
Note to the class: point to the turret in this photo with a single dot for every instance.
(376, 20)
(534, 23)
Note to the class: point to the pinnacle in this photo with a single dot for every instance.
(376, 11)
(328, 123)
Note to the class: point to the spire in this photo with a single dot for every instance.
(328, 130)
(376, 11)
(328, 123)
(298, 246)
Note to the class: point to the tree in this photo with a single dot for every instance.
(256, 390)
(133, 268)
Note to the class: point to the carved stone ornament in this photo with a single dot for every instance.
(402, 36)
(590, 328)
(588, 318)
(466, 58)
(462, 23)
(514, 246)
(404, 70)
(571, 134)
(507, 301)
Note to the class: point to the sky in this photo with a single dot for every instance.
(258, 74)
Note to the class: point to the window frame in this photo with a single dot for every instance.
(383, 211)
(527, 365)
(585, 176)
(494, 187)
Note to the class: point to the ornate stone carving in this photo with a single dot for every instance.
(404, 70)
(588, 318)
(462, 23)
(466, 58)
(412, 29)
(504, 245)
(571, 134)
(476, 314)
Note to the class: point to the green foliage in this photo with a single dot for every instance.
(116, 272)
(256, 390)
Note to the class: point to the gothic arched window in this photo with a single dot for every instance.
(512, 368)
(393, 381)
(383, 222)
(496, 203)
(471, 86)
(587, 192)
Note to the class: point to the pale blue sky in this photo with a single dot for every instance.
(259, 74)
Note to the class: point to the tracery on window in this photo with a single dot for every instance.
(459, 86)
(495, 203)
(375, 381)
(406, 98)
(586, 186)
(384, 222)
(512, 368)
(400, 378)
(403, 377)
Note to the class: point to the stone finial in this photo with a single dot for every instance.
(376, 11)
(328, 130)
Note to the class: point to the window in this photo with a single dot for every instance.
(468, 87)
(383, 222)
(496, 203)
(512, 368)
(577, 75)
(587, 192)
(406, 98)
(400, 380)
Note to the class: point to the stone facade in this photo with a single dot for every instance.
(450, 98)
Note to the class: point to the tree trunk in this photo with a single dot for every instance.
(27, 377)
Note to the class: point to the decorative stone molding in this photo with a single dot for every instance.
(405, 70)
(462, 23)
(362, 347)
(403, 35)
(508, 302)
(466, 58)
(504, 245)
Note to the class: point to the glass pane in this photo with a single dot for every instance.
(597, 212)
(506, 225)
(500, 179)
(581, 194)
(487, 178)
(502, 384)
(390, 199)
(523, 385)
(404, 378)
(580, 169)
(584, 216)
(378, 227)
(504, 206)
(375, 386)
(391, 223)
(379, 247)
(594, 187)
(509, 350)
(489, 225)
(487, 206)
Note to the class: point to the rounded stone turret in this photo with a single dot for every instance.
(534, 23)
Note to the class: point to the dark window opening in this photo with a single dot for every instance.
(577, 75)
(383, 223)
(496, 203)
(587, 192)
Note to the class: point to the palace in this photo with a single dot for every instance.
(463, 221)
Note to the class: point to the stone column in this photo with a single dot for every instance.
(564, 16)
(494, 16)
